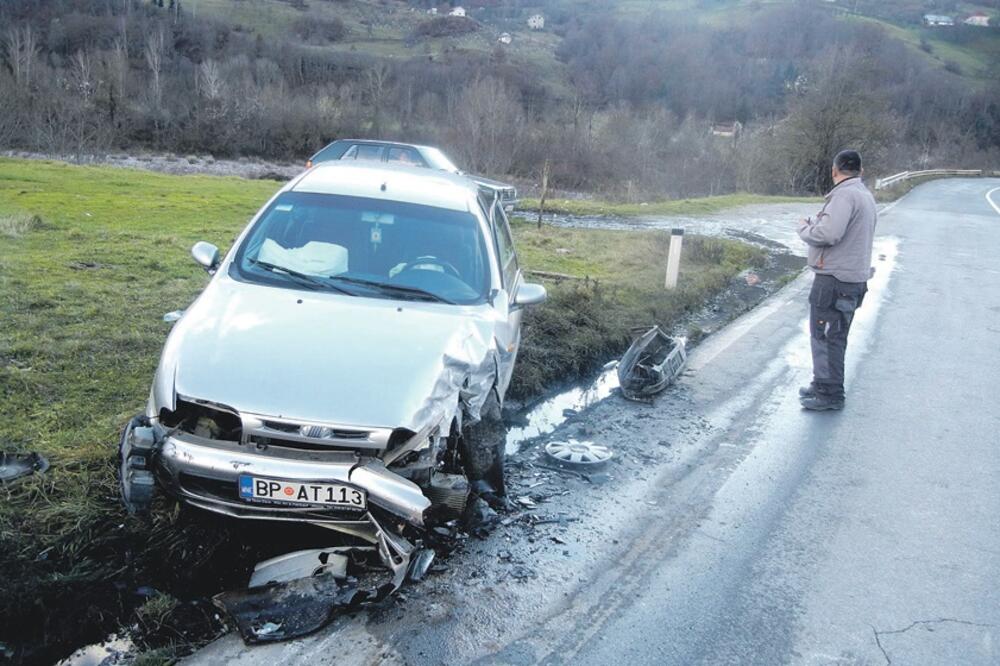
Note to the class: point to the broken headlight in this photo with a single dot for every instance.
(424, 444)
(203, 419)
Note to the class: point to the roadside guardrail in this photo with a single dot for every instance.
(882, 183)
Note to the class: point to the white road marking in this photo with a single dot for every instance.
(989, 200)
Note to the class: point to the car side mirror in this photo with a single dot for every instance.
(206, 254)
(528, 294)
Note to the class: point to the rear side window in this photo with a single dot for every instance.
(505, 248)
(363, 151)
(406, 156)
(334, 151)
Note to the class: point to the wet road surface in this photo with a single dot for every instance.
(735, 528)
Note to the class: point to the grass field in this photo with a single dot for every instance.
(90, 260)
(699, 206)
(974, 59)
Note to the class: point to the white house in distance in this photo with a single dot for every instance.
(457, 11)
(938, 19)
(729, 130)
(981, 20)
(536, 22)
(505, 38)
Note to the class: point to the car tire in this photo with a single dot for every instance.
(484, 448)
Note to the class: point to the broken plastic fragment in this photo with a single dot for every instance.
(15, 465)
(300, 564)
(420, 563)
(268, 628)
(283, 611)
(651, 364)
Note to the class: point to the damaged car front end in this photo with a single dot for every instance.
(345, 365)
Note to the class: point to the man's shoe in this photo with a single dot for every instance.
(820, 403)
(807, 391)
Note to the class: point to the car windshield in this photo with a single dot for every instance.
(438, 160)
(366, 247)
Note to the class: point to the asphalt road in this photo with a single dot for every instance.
(767, 535)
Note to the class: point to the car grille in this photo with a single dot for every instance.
(263, 431)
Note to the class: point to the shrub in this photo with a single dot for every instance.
(447, 26)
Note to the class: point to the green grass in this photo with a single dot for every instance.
(974, 59)
(699, 206)
(588, 321)
(90, 260)
(82, 293)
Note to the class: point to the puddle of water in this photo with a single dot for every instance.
(113, 650)
(546, 416)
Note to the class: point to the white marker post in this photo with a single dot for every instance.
(674, 258)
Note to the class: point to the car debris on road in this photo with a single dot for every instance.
(651, 364)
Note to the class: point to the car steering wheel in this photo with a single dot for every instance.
(421, 263)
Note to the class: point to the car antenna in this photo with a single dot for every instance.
(383, 187)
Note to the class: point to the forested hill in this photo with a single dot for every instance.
(635, 97)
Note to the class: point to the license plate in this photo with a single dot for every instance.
(256, 489)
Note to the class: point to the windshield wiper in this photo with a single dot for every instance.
(394, 288)
(303, 278)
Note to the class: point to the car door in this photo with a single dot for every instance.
(508, 329)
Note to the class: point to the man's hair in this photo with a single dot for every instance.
(848, 162)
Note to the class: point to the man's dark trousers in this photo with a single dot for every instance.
(831, 310)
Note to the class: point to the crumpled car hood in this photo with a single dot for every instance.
(316, 356)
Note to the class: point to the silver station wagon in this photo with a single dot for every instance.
(346, 364)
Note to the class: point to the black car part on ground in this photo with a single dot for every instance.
(135, 465)
(15, 465)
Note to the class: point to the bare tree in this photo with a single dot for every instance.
(118, 61)
(488, 121)
(22, 50)
(81, 124)
(838, 111)
(154, 52)
(376, 85)
(209, 80)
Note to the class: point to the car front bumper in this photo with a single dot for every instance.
(205, 473)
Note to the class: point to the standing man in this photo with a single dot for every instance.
(840, 255)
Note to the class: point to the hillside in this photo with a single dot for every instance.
(623, 98)
(387, 28)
